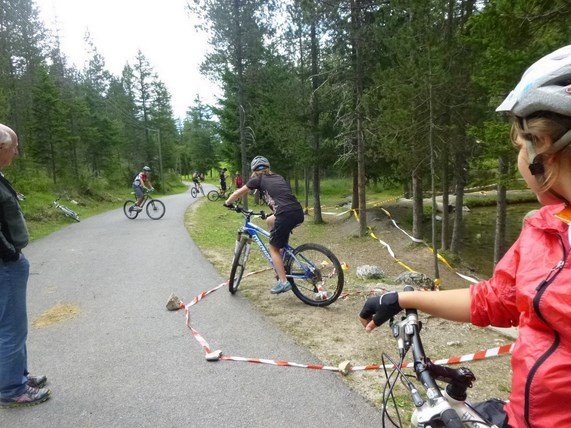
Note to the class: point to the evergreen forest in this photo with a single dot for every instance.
(396, 93)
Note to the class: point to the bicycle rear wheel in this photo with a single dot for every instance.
(129, 211)
(239, 264)
(193, 192)
(315, 274)
(155, 209)
(213, 195)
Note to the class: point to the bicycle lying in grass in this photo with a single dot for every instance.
(442, 407)
(67, 211)
(154, 207)
(214, 195)
(313, 271)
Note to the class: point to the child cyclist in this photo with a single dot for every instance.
(287, 212)
(531, 285)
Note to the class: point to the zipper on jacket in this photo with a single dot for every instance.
(541, 288)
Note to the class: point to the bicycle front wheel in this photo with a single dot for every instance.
(239, 264)
(155, 209)
(193, 192)
(213, 195)
(315, 274)
(70, 213)
(129, 211)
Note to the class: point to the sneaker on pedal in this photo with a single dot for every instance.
(281, 287)
(37, 381)
(30, 397)
(136, 208)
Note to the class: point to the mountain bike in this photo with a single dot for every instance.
(154, 207)
(314, 272)
(195, 189)
(214, 195)
(443, 407)
(67, 211)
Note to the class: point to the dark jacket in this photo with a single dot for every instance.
(13, 231)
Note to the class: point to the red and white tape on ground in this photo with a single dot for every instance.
(343, 368)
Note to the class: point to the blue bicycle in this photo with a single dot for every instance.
(314, 272)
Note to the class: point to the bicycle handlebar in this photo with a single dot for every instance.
(407, 333)
(246, 213)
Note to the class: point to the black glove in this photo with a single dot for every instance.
(381, 309)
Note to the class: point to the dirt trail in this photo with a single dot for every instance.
(335, 335)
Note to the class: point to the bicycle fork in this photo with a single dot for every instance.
(247, 246)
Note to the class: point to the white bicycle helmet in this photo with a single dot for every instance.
(259, 162)
(146, 168)
(544, 87)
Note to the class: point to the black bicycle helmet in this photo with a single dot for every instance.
(259, 163)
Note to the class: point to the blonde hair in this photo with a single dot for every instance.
(265, 171)
(538, 127)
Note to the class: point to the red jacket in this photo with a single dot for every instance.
(531, 288)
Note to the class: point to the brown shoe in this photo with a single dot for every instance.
(30, 397)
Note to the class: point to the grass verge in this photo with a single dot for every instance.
(42, 218)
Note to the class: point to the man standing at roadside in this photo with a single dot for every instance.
(17, 386)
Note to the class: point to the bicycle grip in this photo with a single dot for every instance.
(450, 419)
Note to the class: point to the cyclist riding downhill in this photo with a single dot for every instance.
(287, 212)
(530, 285)
(196, 179)
(141, 184)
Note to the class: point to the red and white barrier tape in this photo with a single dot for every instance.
(343, 368)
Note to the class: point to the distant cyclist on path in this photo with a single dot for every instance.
(140, 185)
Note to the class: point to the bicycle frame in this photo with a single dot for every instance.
(253, 231)
(448, 405)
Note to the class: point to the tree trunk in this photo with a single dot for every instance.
(317, 217)
(432, 171)
(241, 101)
(460, 178)
(444, 235)
(358, 80)
(501, 209)
(355, 194)
(417, 206)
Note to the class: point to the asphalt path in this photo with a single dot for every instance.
(125, 361)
